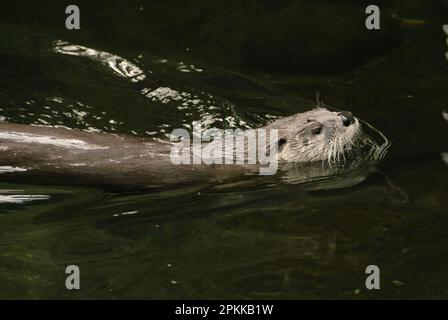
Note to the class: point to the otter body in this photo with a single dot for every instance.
(47, 155)
(34, 154)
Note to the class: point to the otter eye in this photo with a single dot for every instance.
(316, 130)
(345, 121)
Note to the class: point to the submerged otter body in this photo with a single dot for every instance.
(47, 155)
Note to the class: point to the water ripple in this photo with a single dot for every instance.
(117, 64)
(20, 198)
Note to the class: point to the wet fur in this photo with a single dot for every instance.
(332, 145)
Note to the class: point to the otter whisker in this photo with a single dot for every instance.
(319, 103)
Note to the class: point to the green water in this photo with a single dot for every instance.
(230, 65)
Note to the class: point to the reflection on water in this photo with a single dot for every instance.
(120, 66)
(5, 169)
(187, 103)
(7, 197)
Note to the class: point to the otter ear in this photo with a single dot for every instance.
(280, 143)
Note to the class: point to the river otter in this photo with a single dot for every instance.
(316, 135)
(38, 154)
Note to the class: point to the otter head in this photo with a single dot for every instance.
(316, 135)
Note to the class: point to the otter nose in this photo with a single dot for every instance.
(347, 118)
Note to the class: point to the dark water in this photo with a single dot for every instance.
(230, 65)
